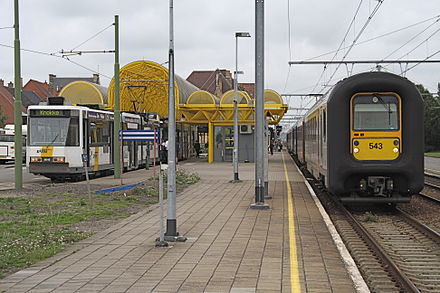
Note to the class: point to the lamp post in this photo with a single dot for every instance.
(236, 72)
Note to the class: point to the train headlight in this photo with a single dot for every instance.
(356, 150)
(356, 143)
(396, 142)
(395, 150)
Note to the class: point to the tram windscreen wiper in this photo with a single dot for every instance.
(56, 136)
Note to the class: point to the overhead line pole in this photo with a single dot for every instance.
(117, 114)
(18, 144)
(259, 107)
(171, 233)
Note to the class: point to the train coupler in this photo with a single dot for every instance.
(377, 185)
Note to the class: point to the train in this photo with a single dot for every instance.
(363, 140)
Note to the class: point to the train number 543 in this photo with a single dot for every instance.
(377, 145)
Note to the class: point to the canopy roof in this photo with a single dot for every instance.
(85, 93)
(201, 97)
(144, 88)
(228, 98)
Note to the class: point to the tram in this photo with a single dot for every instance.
(60, 135)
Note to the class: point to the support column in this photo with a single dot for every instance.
(259, 106)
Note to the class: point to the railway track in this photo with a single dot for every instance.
(433, 182)
(394, 252)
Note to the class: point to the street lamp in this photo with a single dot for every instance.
(236, 72)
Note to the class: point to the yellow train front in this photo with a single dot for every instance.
(364, 140)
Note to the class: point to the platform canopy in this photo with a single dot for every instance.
(242, 98)
(272, 97)
(84, 93)
(144, 88)
(202, 97)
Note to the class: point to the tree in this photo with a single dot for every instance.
(2, 117)
(432, 119)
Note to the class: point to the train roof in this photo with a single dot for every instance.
(357, 81)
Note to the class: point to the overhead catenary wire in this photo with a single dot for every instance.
(372, 14)
(54, 55)
(342, 42)
(429, 57)
(421, 43)
(412, 38)
(289, 43)
(380, 36)
(92, 37)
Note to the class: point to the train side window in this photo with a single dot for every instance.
(324, 124)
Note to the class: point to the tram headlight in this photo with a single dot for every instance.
(356, 150)
(36, 159)
(395, 150)
(58, 159)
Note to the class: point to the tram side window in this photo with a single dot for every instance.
(73, 133)
(100, 133)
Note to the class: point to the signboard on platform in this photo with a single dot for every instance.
(139, 135)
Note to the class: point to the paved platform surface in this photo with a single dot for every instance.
(231, 248)
(432, 165)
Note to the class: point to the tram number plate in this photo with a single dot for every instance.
(375, 145)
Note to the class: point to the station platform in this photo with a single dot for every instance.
(230, 247)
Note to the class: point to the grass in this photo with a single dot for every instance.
(32, 229)
(433, 154)
(370, 217)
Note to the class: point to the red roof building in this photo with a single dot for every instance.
(6, 103)
(42, 89)
(249, 87)
(217, 82)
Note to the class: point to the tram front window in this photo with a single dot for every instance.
(54, 131)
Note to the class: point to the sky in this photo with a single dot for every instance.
(204, 32)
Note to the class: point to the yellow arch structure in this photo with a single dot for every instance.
(272, 97)
(228, 98)
(85, 93)
(202, 97)
(144, 88)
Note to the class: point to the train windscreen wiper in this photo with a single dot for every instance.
(387, 107)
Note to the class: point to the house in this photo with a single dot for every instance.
(58, 83)
(7, 104)
(249, 87)
(42, 89)
(217, 82)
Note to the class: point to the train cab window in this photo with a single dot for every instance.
(375, 112)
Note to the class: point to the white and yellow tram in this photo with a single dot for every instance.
(59, 136)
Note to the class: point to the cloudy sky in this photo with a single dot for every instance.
(204, 37)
